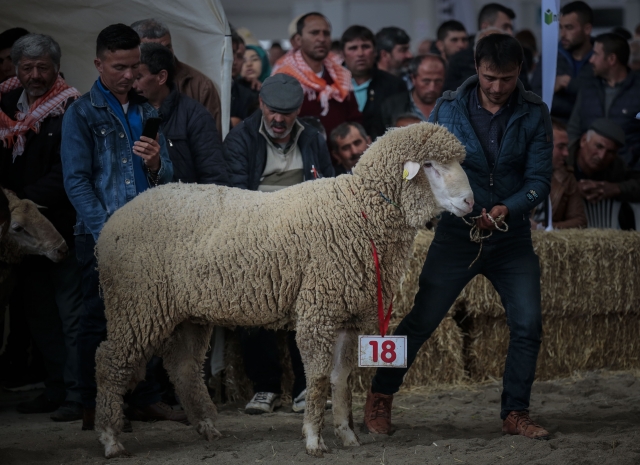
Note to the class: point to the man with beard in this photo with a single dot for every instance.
(574, 52)
(371, 85)
(325, 82)
(271, 150)
(48, 295)
(427, 77)
(348, 143)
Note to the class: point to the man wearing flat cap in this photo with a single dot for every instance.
(600, 172)
(269, 151)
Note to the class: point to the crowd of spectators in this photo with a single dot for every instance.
(296, 115)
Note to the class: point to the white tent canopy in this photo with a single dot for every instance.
(198, 31)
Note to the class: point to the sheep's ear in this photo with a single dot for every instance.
(411, 168)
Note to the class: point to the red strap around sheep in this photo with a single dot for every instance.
(382, 319)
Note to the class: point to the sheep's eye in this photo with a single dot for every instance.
(427, 165)
(17, 228)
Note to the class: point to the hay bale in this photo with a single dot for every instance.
(569, 344)
(584, 273)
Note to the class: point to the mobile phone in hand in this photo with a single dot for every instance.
(151, 128)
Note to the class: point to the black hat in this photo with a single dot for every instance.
(9, 37)
(282, 93)
(607, 128)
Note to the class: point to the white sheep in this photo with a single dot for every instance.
(181, 258)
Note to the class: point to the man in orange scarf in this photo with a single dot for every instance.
(326, 84)
(48, 295)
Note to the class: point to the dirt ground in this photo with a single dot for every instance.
(594, 418)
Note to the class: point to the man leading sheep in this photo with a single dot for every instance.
(508, 138)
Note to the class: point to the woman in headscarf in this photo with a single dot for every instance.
(256, 64)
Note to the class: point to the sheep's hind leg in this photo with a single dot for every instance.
(317, 363)
(183, 356)
(113, 375)
(343, 362)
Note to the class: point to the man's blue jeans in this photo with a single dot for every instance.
(514, 270)
(93, 330)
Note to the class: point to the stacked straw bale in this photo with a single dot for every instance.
(590, 282)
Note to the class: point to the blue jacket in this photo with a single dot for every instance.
(96, 160)
(521, 177)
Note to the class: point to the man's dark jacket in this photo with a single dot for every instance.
(393, 107)
(193, 141)
(245, 151)
(564, 99)
(382, 86)
(244, 101)
(521, 176)
(37, 173)
(623, 110)
(462, 66)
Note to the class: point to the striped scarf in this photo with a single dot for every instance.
(13, 132)
(314, 87)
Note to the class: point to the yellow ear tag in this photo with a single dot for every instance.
(410, 170)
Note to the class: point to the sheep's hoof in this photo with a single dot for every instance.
(349, 438)
(115, 450)
(317, 448)
(207, 430)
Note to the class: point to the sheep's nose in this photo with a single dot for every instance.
(59, 253)
(469, 201)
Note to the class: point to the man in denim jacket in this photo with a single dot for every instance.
(107, 162)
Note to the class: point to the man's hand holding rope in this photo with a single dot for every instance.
(499, 213)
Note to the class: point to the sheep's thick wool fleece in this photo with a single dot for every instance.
(301, 255)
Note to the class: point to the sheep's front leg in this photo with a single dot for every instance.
(114, 371)
(344, 357)
(316, 346)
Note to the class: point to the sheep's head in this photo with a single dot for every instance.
(419, 166)
(32, 232)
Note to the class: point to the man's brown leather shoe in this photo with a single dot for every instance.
(377, 412)
(157, 412)
(522, 424)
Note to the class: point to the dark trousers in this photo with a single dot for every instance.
(93, 330)
(52, 301)
(262, 360)
(514, 270)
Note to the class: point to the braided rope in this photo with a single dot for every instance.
(476, 234)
